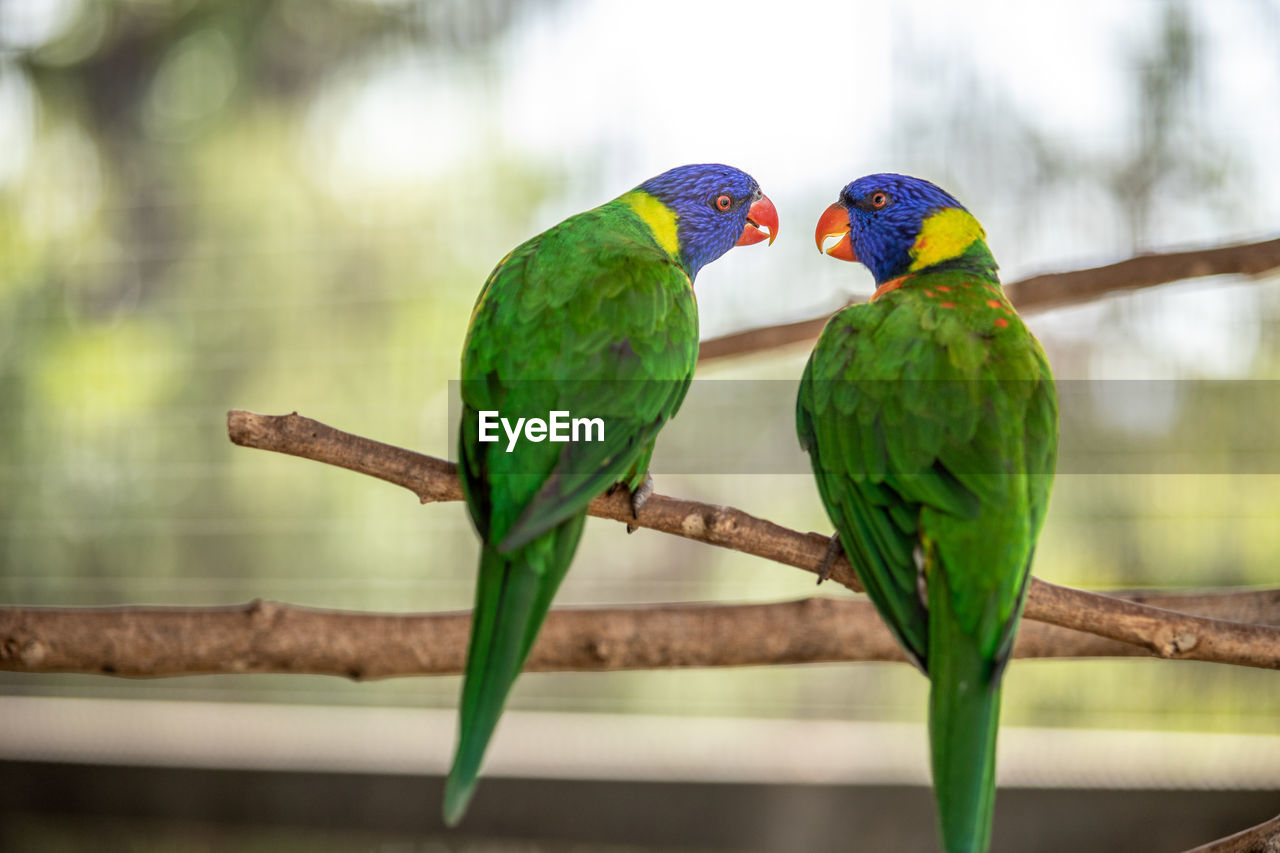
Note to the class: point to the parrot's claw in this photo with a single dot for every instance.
(829, 558)
(639, 496)
(922, 577)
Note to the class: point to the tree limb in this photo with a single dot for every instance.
(1164, 633)
(1049, 290)
(267, 636)
(1263, 838)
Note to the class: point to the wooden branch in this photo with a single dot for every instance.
(1263, 838)
(272, 637)
(1050, 290)
(1164, 633)
(765, 338)
(266, 636)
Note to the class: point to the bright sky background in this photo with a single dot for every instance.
(796, 95)
(806, 96)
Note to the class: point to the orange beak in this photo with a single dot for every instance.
(762, 214)
(834, 222)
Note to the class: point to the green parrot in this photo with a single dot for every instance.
(931, 422)
(593, 319)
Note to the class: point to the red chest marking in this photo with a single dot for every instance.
(947, 304)
(1002, 322)
(891, 284)
(943, 288)
(993, 303)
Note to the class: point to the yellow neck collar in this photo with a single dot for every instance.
(660, 219)
(943, 236)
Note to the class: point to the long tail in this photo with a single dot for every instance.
(964, 713)
(513, 594)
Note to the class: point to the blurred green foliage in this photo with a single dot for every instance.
(173, 244)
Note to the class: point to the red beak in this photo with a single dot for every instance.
(762, 214)
(834, 222)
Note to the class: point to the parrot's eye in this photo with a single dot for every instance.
(879, 199)
(723, 202)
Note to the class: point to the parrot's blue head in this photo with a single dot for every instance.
(703, 211)
(896, 224)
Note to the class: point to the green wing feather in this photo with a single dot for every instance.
(593, 318)
(875, 412)
(932, 433)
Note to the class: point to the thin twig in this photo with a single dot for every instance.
(1165, 633)
(1049, 290)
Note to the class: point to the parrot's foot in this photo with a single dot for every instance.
(922, 578)
(638, 499)
(829, 558)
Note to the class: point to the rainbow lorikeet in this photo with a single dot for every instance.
(931, 422)
(594, 318)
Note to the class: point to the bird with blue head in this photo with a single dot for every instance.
(930, 417)
(594, 316)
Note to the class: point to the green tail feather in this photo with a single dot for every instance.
(513, 594)
(964, 713)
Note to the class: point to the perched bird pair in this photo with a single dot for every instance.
(929, 415)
